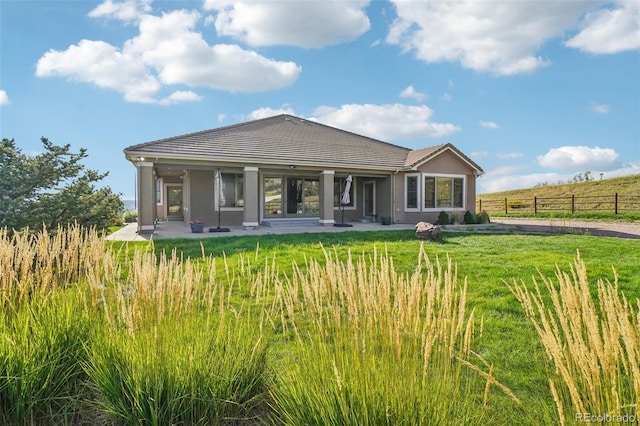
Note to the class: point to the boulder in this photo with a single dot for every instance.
(428, 231)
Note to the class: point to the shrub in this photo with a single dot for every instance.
(482, 218)
(130, 216)
(443, 218)
(469, 218)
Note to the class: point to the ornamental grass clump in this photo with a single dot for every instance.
(173, 349)
(41, 354)
(180, 372)
(593, 346)
(36, 264)
(43, 326)
(377, 347)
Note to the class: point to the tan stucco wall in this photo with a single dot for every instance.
(252, 203)
(201, 196)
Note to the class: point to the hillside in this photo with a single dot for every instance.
(627, 185)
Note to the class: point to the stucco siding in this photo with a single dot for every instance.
(445, 163)
(201, 196)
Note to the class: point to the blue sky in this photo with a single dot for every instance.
(533, 91)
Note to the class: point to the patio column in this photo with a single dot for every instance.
(326, 198)
(251, 214)
(146, 197)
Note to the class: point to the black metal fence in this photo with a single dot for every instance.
(615, 203)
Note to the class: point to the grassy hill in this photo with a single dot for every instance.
(627, 185)
(594, 199)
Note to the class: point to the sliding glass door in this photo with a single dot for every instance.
(291, 197)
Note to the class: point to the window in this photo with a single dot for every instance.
(232, 194)
(412, 192)
(338, 189)
(428, 192)
(443, 192)
(159, 191)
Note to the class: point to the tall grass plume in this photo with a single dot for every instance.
(592, 344)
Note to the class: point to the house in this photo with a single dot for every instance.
(286, 169)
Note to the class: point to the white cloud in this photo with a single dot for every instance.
(610, 30)
(627, 169)
(600, 108)
(497, 37)
(4, 98)
(105, 66)
(410, 92)
(180, 96)
(489, 125)
(512, 177)
(309, 24)
(168, 51)
(583, 157)
(446, 97)
(497, 181)
(128, 11)
(385, 122)
(269, 112)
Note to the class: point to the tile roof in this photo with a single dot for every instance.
(285, 139)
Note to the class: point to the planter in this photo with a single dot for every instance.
(197, 228)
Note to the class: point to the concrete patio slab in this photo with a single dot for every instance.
(171, 229)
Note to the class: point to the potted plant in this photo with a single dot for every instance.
(197, 226)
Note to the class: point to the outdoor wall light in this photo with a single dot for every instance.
(291, 166)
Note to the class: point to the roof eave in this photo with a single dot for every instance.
(285, 163)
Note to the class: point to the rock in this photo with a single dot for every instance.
(428, 231)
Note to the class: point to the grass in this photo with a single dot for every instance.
(628, 185)
(290, 329)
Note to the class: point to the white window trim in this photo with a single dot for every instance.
(419, 189)
(447, 209)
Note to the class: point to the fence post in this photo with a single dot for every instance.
(505, 206)
(535, 205)
(573, 203)
(615, 205)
